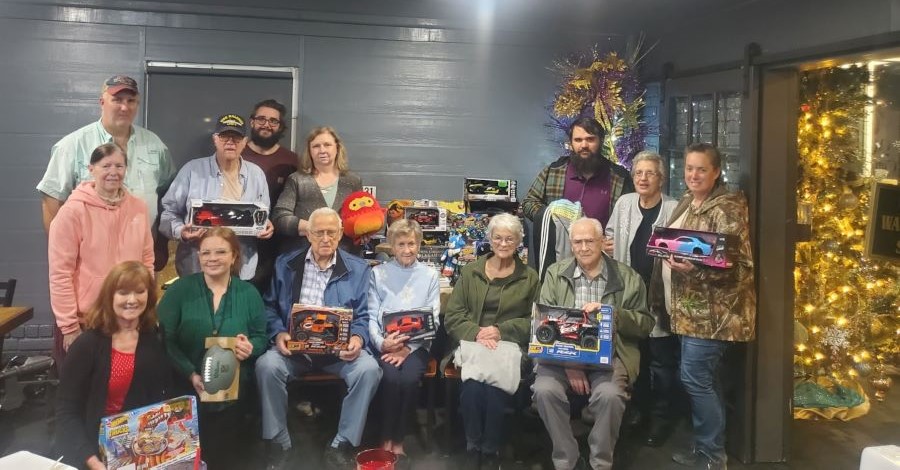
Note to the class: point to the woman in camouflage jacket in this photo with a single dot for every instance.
(709, 307)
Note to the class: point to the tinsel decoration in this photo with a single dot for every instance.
(847, 303)
(606, 87)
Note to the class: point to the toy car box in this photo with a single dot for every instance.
(570, 337)
(245, 218)
(708, 248)
(319, 330)
(489, 189)
(431, 219)
(152, 437)
(415, 323)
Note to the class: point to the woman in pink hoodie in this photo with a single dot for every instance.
(100, 225)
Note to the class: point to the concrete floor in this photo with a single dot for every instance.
(815, 444)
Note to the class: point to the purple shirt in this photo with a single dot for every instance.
(592, 193)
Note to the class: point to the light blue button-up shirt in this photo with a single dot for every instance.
(202, 179)
(149, 164)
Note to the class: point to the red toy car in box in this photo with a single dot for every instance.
(404, 325)
(570, 329)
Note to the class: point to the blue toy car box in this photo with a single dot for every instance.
(571, 337)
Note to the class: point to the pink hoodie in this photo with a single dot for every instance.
(87, 238)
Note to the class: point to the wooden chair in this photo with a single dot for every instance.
(8, 288)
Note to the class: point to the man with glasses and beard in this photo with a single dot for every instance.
(267, 126)
(586, 176)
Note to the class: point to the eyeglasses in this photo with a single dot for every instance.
(319, 234)
(233, 138)
(261, 120)
(504, 241)
(649, 174)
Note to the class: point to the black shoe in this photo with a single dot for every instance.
(490, 462)
(698, 460)
(340, 457)
(276, 457)
(658, 434)
(473, 459)
(688, 458)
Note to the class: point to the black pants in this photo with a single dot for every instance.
(220, 435)
(398, 394)
(483, 409)
(665, 357)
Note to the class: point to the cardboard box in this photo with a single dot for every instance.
(416, 323)
(490, 189)
(708, 248)
(153, 437)
(431, 219)
(245, 218)
(319, 330)
(569, 337)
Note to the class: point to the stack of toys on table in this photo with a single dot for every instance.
(158, 436)
(572, 337)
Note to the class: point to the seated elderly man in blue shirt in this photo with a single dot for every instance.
(322, 275)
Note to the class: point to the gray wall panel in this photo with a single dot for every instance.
(222, 47)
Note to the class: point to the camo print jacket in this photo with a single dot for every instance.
(712, 303)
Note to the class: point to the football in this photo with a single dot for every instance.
(219, 367)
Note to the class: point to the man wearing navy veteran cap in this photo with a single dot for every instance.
(149, 164)
(221, 176)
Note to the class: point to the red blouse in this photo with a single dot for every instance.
(121, 370)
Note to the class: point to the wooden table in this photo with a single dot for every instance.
(12, 317)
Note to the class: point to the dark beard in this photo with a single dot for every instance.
(266, 142)
(587, 166)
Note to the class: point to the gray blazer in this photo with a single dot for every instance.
(301, 196)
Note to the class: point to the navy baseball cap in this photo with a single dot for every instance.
(231, 123)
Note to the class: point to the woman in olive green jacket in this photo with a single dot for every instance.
(491, 302)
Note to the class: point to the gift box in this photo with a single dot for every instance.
(708, 248)
(244, 218)
(415, 323)
(319, 330)
(157, 436)
(431, 219)
(571, 337)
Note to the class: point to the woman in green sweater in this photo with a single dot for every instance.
(490, 303)
(214, 302)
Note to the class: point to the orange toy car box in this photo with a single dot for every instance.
(319, 330)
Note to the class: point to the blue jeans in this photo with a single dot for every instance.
(483, 409)
(700, 360)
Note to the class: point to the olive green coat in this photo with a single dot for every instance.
(625, 292)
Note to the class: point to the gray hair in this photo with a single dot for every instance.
(404, 228)
(326, 212)
(508, 222)
(650, 156)
(594, 223)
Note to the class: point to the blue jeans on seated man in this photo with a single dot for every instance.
(700, 359)
(274, 370)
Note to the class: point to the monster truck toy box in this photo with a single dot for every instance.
(707, 248)
(572, 338)
(418, 324)
(157, 436)
(244, 218)
(319, 330)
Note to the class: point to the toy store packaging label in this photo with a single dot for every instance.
(431, 219)
(489, 189)
(319, 330)
(152, 437)
(244, 218)
(570, 337)
(417, 323)
(708, 248)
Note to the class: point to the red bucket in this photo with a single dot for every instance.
(375, 459)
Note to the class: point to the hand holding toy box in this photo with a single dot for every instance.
(707, 248)
(417, 323)
(152, 437)
(571, 337)
(319, 330)
(244, 218)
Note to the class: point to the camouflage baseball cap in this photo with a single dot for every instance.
(118, 83)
